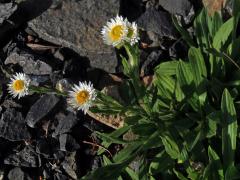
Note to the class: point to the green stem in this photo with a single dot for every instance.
(46, 90)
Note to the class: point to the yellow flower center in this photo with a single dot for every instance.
(116, 32)
(18, 85)
(130, 32)
(82, 97)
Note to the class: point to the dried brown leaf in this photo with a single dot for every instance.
(147, 80)
(111, 121)
(41, 47)
(213, 6)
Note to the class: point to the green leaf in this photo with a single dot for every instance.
(110, 139)
(166, 68)
(234, 49)
(199, 72)
(202, 30)
(127, 94)
(183, 32)
(223, 34)
(111, 171)
(160, 163)
(130, 149)
(232, 173)
(224, 56)
(153, 141)
(236, 15)
(179, 93)
(194, 174)
(214, 169)
(213, 156)
(115, 134)
(171, 147)
(229, 129)
(106, 161)
(197, 65)
(144, 129)
(133, 175)
(143, 168)
(179, 175)
(165, 86)
(120, 178)
(106, 105)
(193, 138)
(185, 79)
(212, 127)
(184, 76)
(126, 66)
(216, 22)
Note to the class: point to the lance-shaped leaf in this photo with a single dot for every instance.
(214, 168)
(167, 68)
(229, 129)
(223, 34)
(198, 66)
(185, 77)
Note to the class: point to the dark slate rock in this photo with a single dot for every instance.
(96, 163)
(70, 166)
(77, 25)
(41, 108)
(180, 7)
(131, 9)
(6, 10)
(158, 22)
(59, 155)
(151, 61)
(75, 65)
(229, 7)
(68, 143)
(46, 173)
(30, 63)
(58, 176)
(26, 10)
(36, 80)
(17, 174)
(43, 147)
(25, 158)
(12, 126)
(178, 50)
(7, 103)
(1, 174)
(65, 123)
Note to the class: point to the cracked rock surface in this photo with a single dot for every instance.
(82, 34)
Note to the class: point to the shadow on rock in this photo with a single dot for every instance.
(24, 12)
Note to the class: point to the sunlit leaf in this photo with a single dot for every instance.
(229, 129)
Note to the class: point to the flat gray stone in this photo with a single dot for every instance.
(180, 7)
(65, 123)
(158, 22)
(77, 25)
(69, 165)
(17, 174)
(68, 143)
(41, 108)
(6, 10)
(26, 158)
(30, 63)
(12, 126)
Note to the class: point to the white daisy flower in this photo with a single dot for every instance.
(19, 85)
(115, 32)
(132, 35)
(82, 96)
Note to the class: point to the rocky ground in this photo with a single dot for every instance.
(58, 43)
